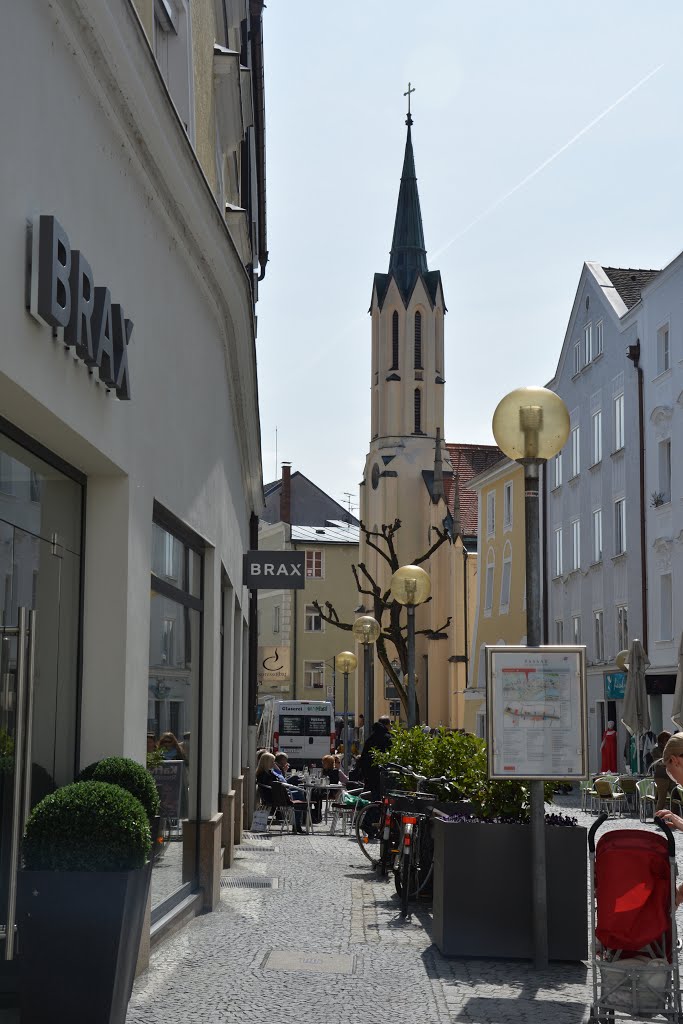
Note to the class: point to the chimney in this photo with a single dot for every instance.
(286, 493)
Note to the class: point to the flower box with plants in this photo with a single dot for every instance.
(482, 858)
(82, 895)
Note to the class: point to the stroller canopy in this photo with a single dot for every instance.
(633, 889)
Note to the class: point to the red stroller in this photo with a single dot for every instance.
(634, 947)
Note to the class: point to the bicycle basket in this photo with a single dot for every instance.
(421, 803)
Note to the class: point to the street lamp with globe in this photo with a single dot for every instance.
(530, 426)
(410, 586)
(346, 662)
(366, 630)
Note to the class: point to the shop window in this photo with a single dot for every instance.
(173, 701)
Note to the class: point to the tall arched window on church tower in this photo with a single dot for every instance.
(418, 411)
(418, 340)
(394, 342)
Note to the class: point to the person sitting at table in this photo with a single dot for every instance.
(281, 768)
(266, 778)
(329, 769)
(341, 775)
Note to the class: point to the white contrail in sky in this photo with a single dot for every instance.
(541, 167)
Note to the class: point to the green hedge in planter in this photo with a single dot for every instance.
(124, 772)
(87, 826)
(461, 757)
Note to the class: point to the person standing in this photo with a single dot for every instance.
(663, 784)
(360, 731)
(379, 739)
(609, 749)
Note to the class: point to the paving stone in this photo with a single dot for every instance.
(330, 904)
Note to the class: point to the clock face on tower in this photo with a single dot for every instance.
(374, 477)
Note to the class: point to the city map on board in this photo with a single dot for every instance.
(536, 712)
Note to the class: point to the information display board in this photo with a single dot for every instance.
(536, 712)
(169, 779)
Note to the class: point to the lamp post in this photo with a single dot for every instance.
(366, 630)
(347, 662)
(531, 425)
(410, 586)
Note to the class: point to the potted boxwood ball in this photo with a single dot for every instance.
(138, 780)
(82, 895)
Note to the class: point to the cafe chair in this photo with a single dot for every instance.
(608, 795)
(627, 785)
(646, 798)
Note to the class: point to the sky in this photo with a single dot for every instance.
(545, 134)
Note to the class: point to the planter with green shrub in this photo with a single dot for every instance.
(82, 896)
(482, 858)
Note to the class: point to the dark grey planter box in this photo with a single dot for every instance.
(482, 890)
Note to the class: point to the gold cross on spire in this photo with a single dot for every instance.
(409, 119)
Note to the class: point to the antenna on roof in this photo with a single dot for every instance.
(348, 495)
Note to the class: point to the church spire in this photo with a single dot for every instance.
(408, 254)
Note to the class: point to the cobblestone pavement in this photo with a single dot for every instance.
(330, 908)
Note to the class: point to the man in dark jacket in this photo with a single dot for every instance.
(379, 739)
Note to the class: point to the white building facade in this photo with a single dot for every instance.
(592, 528)
(130, 472)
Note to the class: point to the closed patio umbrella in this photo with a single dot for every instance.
(636, 713)
(677, 709)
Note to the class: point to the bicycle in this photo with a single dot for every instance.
(374, 823)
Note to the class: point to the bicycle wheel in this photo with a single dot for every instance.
(367, 828)
(407, 880)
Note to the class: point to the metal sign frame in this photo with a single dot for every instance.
(570, 715)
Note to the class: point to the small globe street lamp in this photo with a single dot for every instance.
(410, 586)
(531, 425)
(346, 662)
(366, 630)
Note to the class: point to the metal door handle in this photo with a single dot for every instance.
(28, 744)
(17, 804)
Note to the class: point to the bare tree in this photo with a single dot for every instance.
(393, 625)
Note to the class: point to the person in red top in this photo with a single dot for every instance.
(609, 749)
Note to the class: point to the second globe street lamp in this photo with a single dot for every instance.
(366, 630)
(410, 586)
(346, 662)
(530, 426)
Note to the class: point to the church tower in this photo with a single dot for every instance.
(407, 469)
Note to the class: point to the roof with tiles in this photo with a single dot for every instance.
(468, 460)
(629, 282)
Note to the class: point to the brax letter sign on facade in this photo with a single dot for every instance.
(274, 570)
(64, 296)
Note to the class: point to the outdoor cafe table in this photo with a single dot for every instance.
(326, 790)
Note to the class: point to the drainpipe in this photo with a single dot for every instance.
(256, 34)
(465, 589)
(633, 353)
(544, 553)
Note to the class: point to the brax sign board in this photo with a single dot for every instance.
(64, 297)
(274, 570)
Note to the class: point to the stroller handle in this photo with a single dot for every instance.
(594, 828)
(671, 842)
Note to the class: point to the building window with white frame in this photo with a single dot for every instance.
(507, 506)
(576, 451)
(490, 514)
(577, 358)
(314, 675)
(276, 618)
(557, 470)
(490, 571)
(588, 343)
(558, 551)
(576, 545)
(576, 629)
(664, 453)
(666, 621)
(315, 565)
(505, 582)
(663, 349)
(619, 526)
(599, 636)
(313, 622)
(597, 535)
(599, 338)
(618, 422)
(622, 627)
(559, 631)
(597, 436)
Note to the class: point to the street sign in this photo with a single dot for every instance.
(274, 570)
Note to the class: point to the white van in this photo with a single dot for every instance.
(302, 729)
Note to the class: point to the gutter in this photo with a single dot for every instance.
(256, 36)
(633, 353)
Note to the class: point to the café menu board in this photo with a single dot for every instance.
(536, 712)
